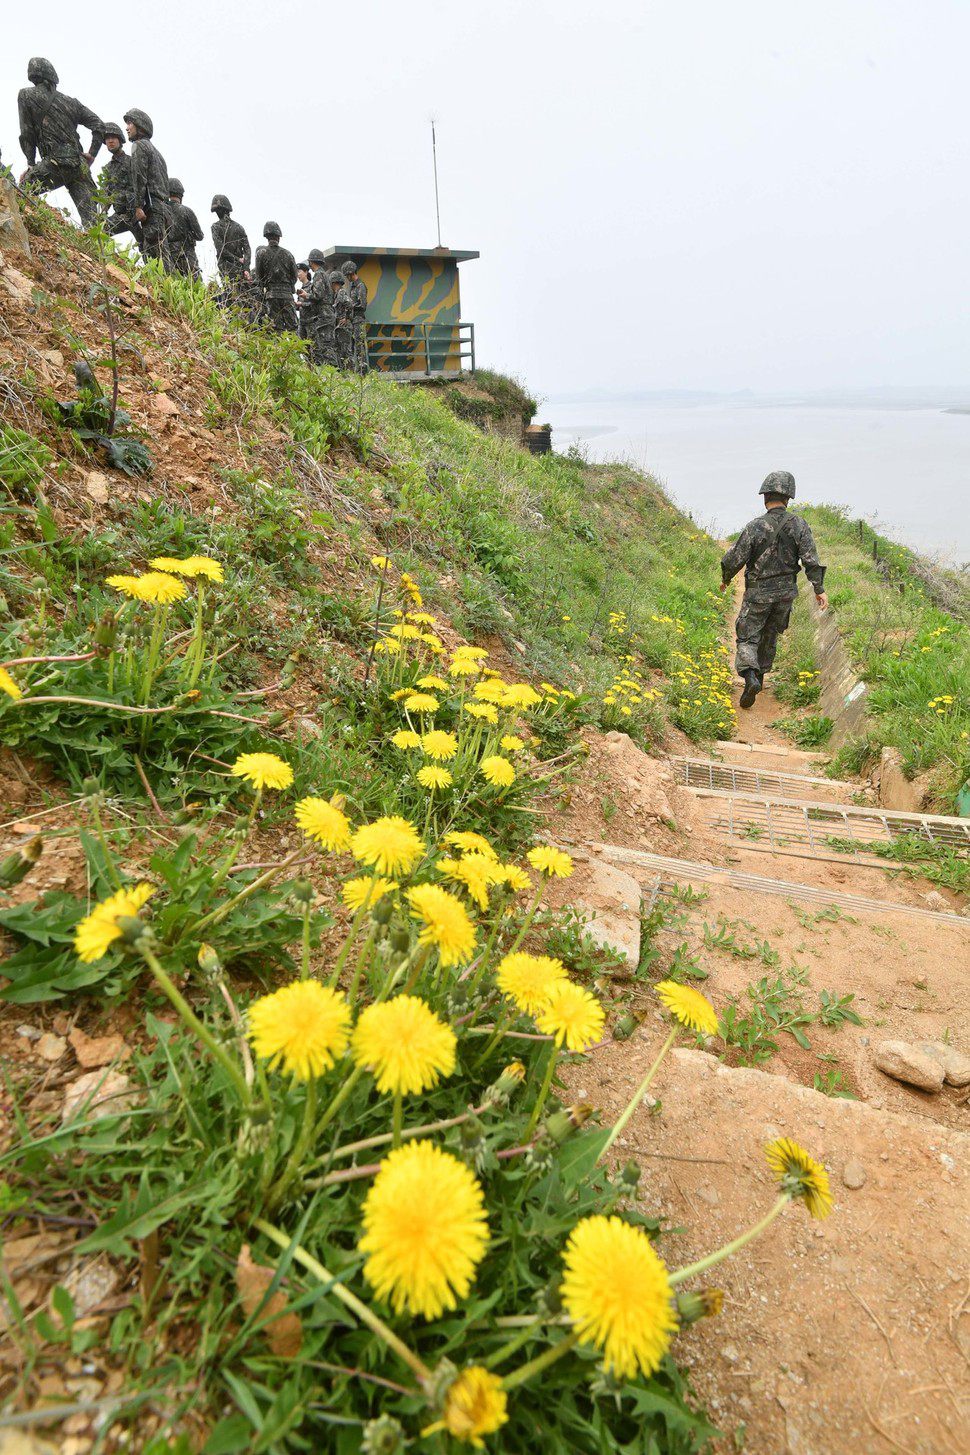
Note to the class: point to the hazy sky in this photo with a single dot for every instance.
(684, 193)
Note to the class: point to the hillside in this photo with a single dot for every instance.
(420, 980)
(326, 546)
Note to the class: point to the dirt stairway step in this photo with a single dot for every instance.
(835, 1336)
(780, 780)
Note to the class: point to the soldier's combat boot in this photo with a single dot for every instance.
(752, 686)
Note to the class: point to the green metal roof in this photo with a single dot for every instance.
(460, 255)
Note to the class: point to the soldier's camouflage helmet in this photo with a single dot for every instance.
(315, 256)
(348, 267)
(304, 267)
(220, 202)
(175, 187)
(779, 482)
(111, 128)
(272, 229)
(40, 69)
(141, 119)
(336, 277)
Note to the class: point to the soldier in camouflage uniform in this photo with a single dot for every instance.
(48, 124)
(302, 296)
(343, 313)
(183, 234)
(770, 549)
(232, 252)
(114, 185)
(275, 277)
(149, 185)
(320, 323)
(356, 293)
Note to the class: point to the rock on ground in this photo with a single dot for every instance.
(904, 1062)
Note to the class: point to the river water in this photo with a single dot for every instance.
(905, 470)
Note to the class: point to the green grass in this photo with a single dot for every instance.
(913, 653)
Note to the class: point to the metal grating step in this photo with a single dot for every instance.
(788, 824)
(678, 869)
(733, 778)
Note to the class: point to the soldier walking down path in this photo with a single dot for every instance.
(48, 125)
(232, 250)
(149, 184)
(356, 293)
(183, 234)
(115, 186)
(275, 281)
(770, 549)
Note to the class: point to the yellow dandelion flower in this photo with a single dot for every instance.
(325, 821)
(475, 871)
(528, 980)
(483, 711)
(380, 563)
(463, 667)
(422, 618)
(491, 689)
(439, 745)
(406, 738)
(8, 685)
(389, 647)
(475, 1405)
(425, 1231)
(391, 845)
(431, 683)
(497, 770)
(435, 643)
(520, 694)
(190, 566)
(303, 1027)
(404, 1044)
(445, 923)
(687, 1005)
(421, 702)
(516, 878)
(511, 743)
(572, 1015)
(160, 588)
(98, 930)
(617, 1292)
(365, 890)
(800, 1175)
(550, 861)
(128, 585)
(262, 770)
(469, 842)
(474, 654)
(434, 778)
(405, 632)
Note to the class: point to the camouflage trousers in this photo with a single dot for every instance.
(120, 222)
(325, 344)
(48, 176)
(345, 344)
(154, 235)
(278, 314)
(184, 261)
(760, 623)
(358, 330)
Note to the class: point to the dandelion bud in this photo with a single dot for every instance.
(105, 633)
(241, 827)
(624, 1028)
(630, 1175)
(91, 788)
(39, 586)
(275, 718)
(549, 1301)
(303, 891)
(383, 1436)
(558, 1127)
(17, 866)
(501, 1090)
(209, 962)
(471, 1131)
(694, 1306)
(133, 929)
(400, 941)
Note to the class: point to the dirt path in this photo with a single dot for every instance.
(847, 1335)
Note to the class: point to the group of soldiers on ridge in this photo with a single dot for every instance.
(136, 195)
